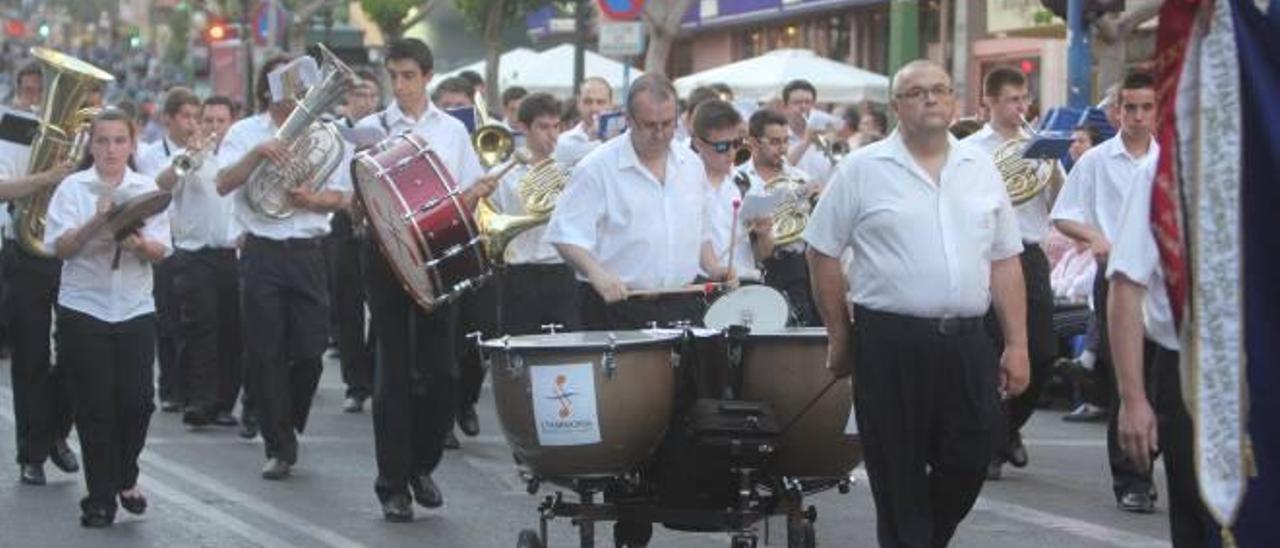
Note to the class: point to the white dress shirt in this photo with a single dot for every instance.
(240, 139)
(646, 232)
(153, 157)
(721, 224)
(528, 247)
(446, 135)
(200, 218)
(1033, 214)
(1134, 254)
(13, 163)
(813, 161)
(920, 249)
(89, 284)
(1098, 184)
(574, 145)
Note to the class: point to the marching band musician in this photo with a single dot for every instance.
(715, 139)
(106, 317)
(416, 371)
(595, 96)
(41, 405)
(206, 285)
(181, 111)
(284, 290)
(1005, 97)
(537, 287)
(925, 380)
(1088, 211)
(632, 218)
(784, 266)
(805, 124)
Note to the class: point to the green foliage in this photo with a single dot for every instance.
(180, 33)
(389, 15)
(477, 10)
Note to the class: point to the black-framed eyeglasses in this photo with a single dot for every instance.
(940, 91)
(723, 147)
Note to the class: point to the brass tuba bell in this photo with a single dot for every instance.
(494, 143)
(68, 81)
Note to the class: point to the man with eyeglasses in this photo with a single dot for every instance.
(1088, 211)
(715, 139)
(935, 242)
(784, 266)
(1005, 96)
(595, 97)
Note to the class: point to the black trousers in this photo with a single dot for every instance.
(1126, 477)
(537, 295)
(285, 300)
(638, 313)
(477, 313)
(168, 331)
(788, 272)
(41, 401)
(927, 409)
(415, 374)
(346, 284)
(1190, 524)
(110, 367)
(207, 287)
(1042, 342)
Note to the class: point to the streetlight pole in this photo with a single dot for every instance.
(246, 38)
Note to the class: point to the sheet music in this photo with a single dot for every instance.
(361, 136)
(760, 204)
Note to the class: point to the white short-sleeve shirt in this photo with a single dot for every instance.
(240, 139)
(1033, 215)
(574, 145)
(648, 233)
(528, 247)
(722, 226)
(1098, 184)
(153, 157)
(1134, 254)
(13, 163)
(919, 249)
(447, 136)
(89, 283)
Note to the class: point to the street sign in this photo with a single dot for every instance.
(621, 39)
(620, 9)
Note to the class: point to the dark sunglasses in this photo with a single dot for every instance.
(722, 147)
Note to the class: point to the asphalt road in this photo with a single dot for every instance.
(205, 490)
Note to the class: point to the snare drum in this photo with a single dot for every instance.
(421, 225)
(754, 306)
(583, 405)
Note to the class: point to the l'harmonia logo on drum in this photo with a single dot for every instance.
(564, 404)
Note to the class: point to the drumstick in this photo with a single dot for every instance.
(733, 238)
(704, 289)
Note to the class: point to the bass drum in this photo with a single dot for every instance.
(788, 369)
(584, 405)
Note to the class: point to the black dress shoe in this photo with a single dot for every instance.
(468, 422)
(63, 457)
(225, 419)
(398, 509)
(96, 519)
(1137, 502)
(451, 441)
(31, 474)
(248, 426)
(425, 491)
(133, 505)
(1016, 453)
(276, 469)
(195, 418)
(353, 404)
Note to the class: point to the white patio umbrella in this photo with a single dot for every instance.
(761, 78)
(552, 72)
(511, 64)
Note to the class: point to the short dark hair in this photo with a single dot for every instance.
(699, 95)
(880, 118)
(1091, 130)
(178, 97)
(472, 77)
(714, 114)
(964, 127)
(513, 93)
(764, 117)
(455, 84)
(262, 88)
(722, 89)
(215, 100)
(536, 106)
(31, 68)
(368, 75)
(997, 79)
(1134, 80)
(654, 84)
(798, 84)
(414, 50)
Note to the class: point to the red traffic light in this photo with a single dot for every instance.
(218, 31)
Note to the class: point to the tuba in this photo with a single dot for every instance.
(63, 135)
(539, 189)
(1024, 178)
(792, 214)
(494, 143)
(316, 147)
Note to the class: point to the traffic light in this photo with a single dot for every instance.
(218, 30)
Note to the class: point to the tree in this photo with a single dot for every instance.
(392, 16)
(663, 18)
(492, 16)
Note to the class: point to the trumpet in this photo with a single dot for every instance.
(191, 159)
(833, 147)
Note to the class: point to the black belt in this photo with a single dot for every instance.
(288, 243)
(539, 267)
(901, 323)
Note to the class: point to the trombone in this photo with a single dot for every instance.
(494, 143)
